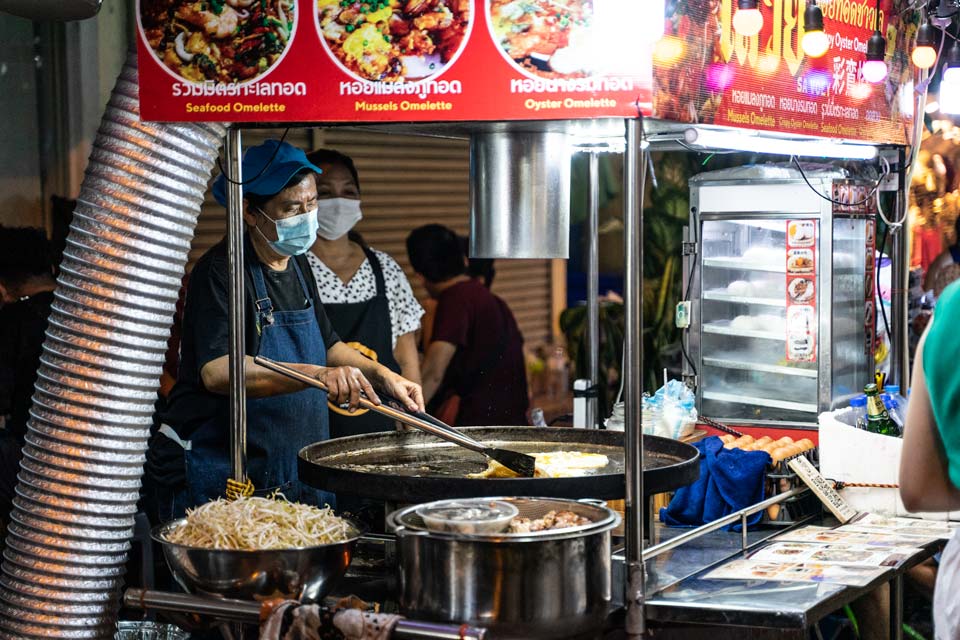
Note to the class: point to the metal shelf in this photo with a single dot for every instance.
(724, 363)
(741, 264)
(722, 296)
(724, 329)
(762, 402)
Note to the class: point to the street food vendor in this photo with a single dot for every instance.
(189, 459)
(364, 291)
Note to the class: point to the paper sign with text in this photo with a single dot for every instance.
(823, 489)
(707, 73)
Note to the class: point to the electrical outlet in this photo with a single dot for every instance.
(682, 314)
(892, 180)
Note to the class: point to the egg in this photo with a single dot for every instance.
(779, 454)
(551, 464)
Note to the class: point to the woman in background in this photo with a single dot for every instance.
(365, 293)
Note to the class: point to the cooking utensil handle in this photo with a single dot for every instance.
(447, 434)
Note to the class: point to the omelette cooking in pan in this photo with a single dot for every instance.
(551, 464)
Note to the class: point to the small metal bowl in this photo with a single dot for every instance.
(139, 630)
(467, 515)
(306, 574)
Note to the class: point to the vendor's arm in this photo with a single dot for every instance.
(406, 391)
(435, 363)
(344, 383)
(407, 357)
(924, 477)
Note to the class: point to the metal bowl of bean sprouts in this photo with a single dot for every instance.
(258, 548)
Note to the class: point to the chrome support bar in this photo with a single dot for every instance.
(247, 612)
(634, 175)
(593, 292)
(238, 388)
(223, 609)
(720, 523)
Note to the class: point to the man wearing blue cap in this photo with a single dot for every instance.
(189, 459)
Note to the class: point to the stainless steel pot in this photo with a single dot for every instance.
(553, 584)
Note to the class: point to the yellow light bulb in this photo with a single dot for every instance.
(815, 43)
(924, 57)
(748, 22)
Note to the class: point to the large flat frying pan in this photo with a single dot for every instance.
(412, 466)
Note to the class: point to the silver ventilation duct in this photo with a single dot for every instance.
(51, 9)
(93, 401)
(519, 194)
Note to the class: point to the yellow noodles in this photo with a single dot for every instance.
(259, 523)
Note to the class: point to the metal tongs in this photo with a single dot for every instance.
(519, 463)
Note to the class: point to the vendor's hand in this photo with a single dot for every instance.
(405, 391)
(345, 384)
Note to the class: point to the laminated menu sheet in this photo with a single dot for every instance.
(749, 569)
(845, 535)
(874, 523)
(845, 554)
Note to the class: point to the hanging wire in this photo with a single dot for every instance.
(262, 171)
(866, 199)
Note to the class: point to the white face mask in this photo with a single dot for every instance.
(336, 216)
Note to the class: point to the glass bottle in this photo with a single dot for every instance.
(878, 420)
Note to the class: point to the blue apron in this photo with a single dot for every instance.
(278, 426)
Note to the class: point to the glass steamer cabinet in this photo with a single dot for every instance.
(781, 285)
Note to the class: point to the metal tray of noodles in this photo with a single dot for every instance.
(411, 466)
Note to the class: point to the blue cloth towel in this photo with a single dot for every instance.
(730, 480)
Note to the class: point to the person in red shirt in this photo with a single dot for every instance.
(473, 370)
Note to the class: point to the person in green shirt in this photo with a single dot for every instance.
(930, 464)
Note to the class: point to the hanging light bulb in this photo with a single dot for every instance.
(815, 42)
(875, 68)
(924, 53)
(950, 83)
(748, 20)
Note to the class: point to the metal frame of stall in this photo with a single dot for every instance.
(634, 179)
(634, 176)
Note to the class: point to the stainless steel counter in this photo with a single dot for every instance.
(677, 594)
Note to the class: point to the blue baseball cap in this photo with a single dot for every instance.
(285, 161)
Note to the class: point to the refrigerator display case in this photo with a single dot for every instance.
(781, 280)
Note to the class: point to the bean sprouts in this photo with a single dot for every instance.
(252, 524)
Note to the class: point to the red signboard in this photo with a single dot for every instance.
(395, 60)
(706, 73)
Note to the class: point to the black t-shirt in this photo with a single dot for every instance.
(488, 369)
(206, 328)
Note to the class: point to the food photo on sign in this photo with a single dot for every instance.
(390, 41)
(220, 40)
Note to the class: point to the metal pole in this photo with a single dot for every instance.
(248, 612)
(900, 281)
(896, 608)
(238, 387)
(634, 176)
(593, 293)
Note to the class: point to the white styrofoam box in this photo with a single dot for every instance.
(849, 454)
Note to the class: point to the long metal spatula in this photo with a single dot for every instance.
(519, 463)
